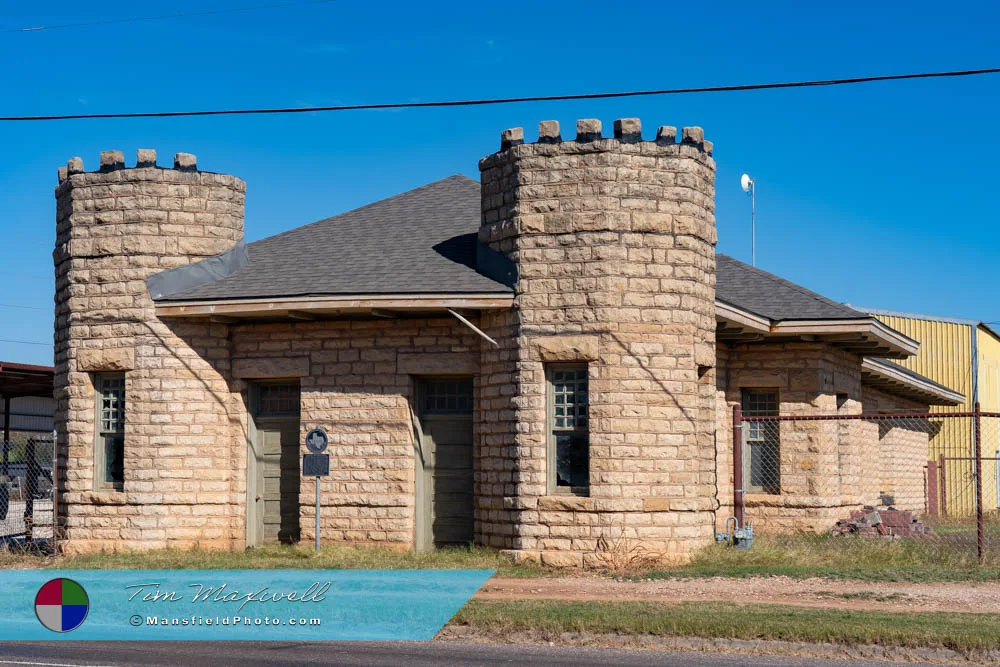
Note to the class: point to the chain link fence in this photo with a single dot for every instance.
(926, 476)
(27, 492)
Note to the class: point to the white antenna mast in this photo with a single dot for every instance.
(748, 184)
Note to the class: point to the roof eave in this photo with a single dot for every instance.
(298, 308)
(893, 380)
(866, 335)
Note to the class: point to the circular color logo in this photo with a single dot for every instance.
(61, 605)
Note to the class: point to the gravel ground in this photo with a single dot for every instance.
(983, 598)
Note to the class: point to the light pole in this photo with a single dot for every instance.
(749, 186)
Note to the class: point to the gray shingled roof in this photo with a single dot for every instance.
(911, 373)
(424, 241)
(767, 295)
(421, 241)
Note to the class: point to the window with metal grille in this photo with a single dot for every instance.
(569, 429)
(762, 453)
(448, 395)
(109, 449)
(277, 399)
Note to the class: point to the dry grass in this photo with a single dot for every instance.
(971, 634)
(847, 557)
(286, 557)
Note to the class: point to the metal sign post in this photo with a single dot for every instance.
(316, 465)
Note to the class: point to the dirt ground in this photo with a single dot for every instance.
(982, 598)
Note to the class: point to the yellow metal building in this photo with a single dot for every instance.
(963, 355)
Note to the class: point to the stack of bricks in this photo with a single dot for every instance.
(889, 522)
(115, 228)
(614, 239)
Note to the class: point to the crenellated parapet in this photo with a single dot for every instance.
(115, 227)
(614, 243)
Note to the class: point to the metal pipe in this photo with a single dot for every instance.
(317, 514)
(932, 488)
(943, 498)
(473, 327)
(6, 436)
(979, 488)
(872, 417)
(753, 223)
(738, 508)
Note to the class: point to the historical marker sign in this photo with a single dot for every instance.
(315, 465)
(317, 440)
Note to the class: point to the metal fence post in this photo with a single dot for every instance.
(55, 492)
(932, 487)
(738, 510)
(943, 486)
(977, 453)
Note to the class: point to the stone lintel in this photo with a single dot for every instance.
(565, 348)
(115, 359)
(286, 367)
(440, 363)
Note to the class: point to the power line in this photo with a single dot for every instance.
(22, 342)
(514, 100)
(11, 305)
(25, 275)
(136, 19)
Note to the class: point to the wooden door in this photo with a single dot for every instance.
(445, 508)
(273, 479)
(280, 482)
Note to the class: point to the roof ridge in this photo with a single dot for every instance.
(799, 288)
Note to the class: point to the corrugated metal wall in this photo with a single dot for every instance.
(945, 356)
(989, 399)
(30, 413)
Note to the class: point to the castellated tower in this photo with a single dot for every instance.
(614, 243)
(116, 227)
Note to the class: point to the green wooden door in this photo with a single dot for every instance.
(279, 483)
(445, 509)
(273, 463)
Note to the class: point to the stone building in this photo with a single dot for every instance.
(544, 361)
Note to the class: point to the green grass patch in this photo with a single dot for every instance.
(845, 557)
(967, 633)
(287, 557)
(862, 595)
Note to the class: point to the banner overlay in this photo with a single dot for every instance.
(279, 605)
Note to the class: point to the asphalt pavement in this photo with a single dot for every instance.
(369, 654)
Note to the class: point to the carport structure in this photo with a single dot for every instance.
(17, 381)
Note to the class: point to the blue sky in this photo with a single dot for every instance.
(880, 194)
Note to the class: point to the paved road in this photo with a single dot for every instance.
(366, 654)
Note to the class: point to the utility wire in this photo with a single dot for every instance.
(513, 100)
(24, 275)
(11, 305)
(179, 15)
(22, 342)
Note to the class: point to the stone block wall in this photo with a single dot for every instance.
(356, 381)
(901, 450)
(116, 227)
(826, 466)
(614, 243)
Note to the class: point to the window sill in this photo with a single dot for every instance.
(578, 491)
(566, 502)
(106, 497)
